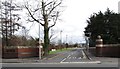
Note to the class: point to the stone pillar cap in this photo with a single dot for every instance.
(99, 37)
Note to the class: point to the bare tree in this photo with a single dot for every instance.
(49, 12)
(9, 20)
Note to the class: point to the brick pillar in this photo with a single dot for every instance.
(99, 46)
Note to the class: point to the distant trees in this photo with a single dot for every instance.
(106, 24)
(46, 13)
(22, 41)
(8, 20)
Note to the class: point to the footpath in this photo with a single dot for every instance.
(27, 60)
(91, 55)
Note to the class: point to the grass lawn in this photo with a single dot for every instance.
(59, 50)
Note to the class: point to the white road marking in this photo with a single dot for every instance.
(83, 62)
(84, 56)
(74, 57)
(65, 58)
(69, 58)
(90, 58)
(79, 58)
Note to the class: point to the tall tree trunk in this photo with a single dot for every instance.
(48, 12)
(46, 39)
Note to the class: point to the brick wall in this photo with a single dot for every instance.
(20, 52)
(108, 50)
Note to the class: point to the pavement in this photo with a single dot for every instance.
(28, 60)
(91, 55)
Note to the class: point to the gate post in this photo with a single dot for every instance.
(99, 46)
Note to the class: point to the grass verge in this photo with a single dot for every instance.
(59, 50)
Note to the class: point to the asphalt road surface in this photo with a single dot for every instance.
(75, 55)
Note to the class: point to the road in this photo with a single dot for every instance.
(73, 56)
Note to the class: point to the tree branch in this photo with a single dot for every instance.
(54, 8)
(54, 20)
(48, 4)
(36, 9)
(33, 16)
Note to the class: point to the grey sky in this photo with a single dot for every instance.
(75, 15)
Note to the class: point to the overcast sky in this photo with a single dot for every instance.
(75, 15)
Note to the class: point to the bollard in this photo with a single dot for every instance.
(99, 46)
